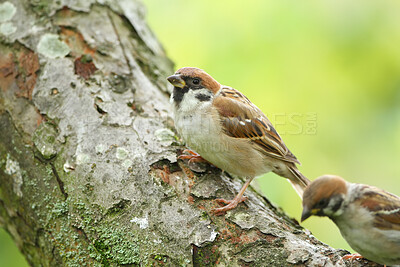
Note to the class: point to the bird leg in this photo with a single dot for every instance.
(193, 157)
(231, 204)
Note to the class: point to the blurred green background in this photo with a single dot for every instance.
(326, 73)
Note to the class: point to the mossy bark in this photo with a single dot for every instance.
(88, 166)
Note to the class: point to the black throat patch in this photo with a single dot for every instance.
(179, 93)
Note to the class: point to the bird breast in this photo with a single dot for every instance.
(356, 226)
(201, 130)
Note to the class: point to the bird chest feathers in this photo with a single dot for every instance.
(196, 125)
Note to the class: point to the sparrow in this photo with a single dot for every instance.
(229, 131)
(368, 217)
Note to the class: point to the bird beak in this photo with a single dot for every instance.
(307, 213)
(176, 80)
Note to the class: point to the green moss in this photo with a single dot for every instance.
(109, 243)
(67, 239)
(118, 245)
(49, 170)
(160, 260)
(100, 247)
(59, 209)
(205, 256)
(205, 216)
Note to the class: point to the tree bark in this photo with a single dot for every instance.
(88, 167)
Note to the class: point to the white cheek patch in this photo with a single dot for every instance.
(337, 213)
(334, 207)
(191, 102)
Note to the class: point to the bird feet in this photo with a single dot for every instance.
(193, 157)
(230, 204)
(352, 257)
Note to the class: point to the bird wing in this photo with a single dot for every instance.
(384, 206)
(240, 118)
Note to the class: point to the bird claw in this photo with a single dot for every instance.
(193, 157)
(352, 257)
(222, 201)
(191, 152)
(230, 204)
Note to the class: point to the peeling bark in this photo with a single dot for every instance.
(88, 166)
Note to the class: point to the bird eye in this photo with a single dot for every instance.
(322, 203)
(196, 81)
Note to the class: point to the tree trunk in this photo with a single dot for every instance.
(88, 165)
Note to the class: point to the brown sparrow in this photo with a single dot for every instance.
(227, 130)
(368, 217)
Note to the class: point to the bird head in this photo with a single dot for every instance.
(324, 197)
(196, 81)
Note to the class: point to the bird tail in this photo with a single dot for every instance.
(300, 182)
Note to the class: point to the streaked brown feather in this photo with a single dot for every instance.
(384, 205)
(243, 119)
